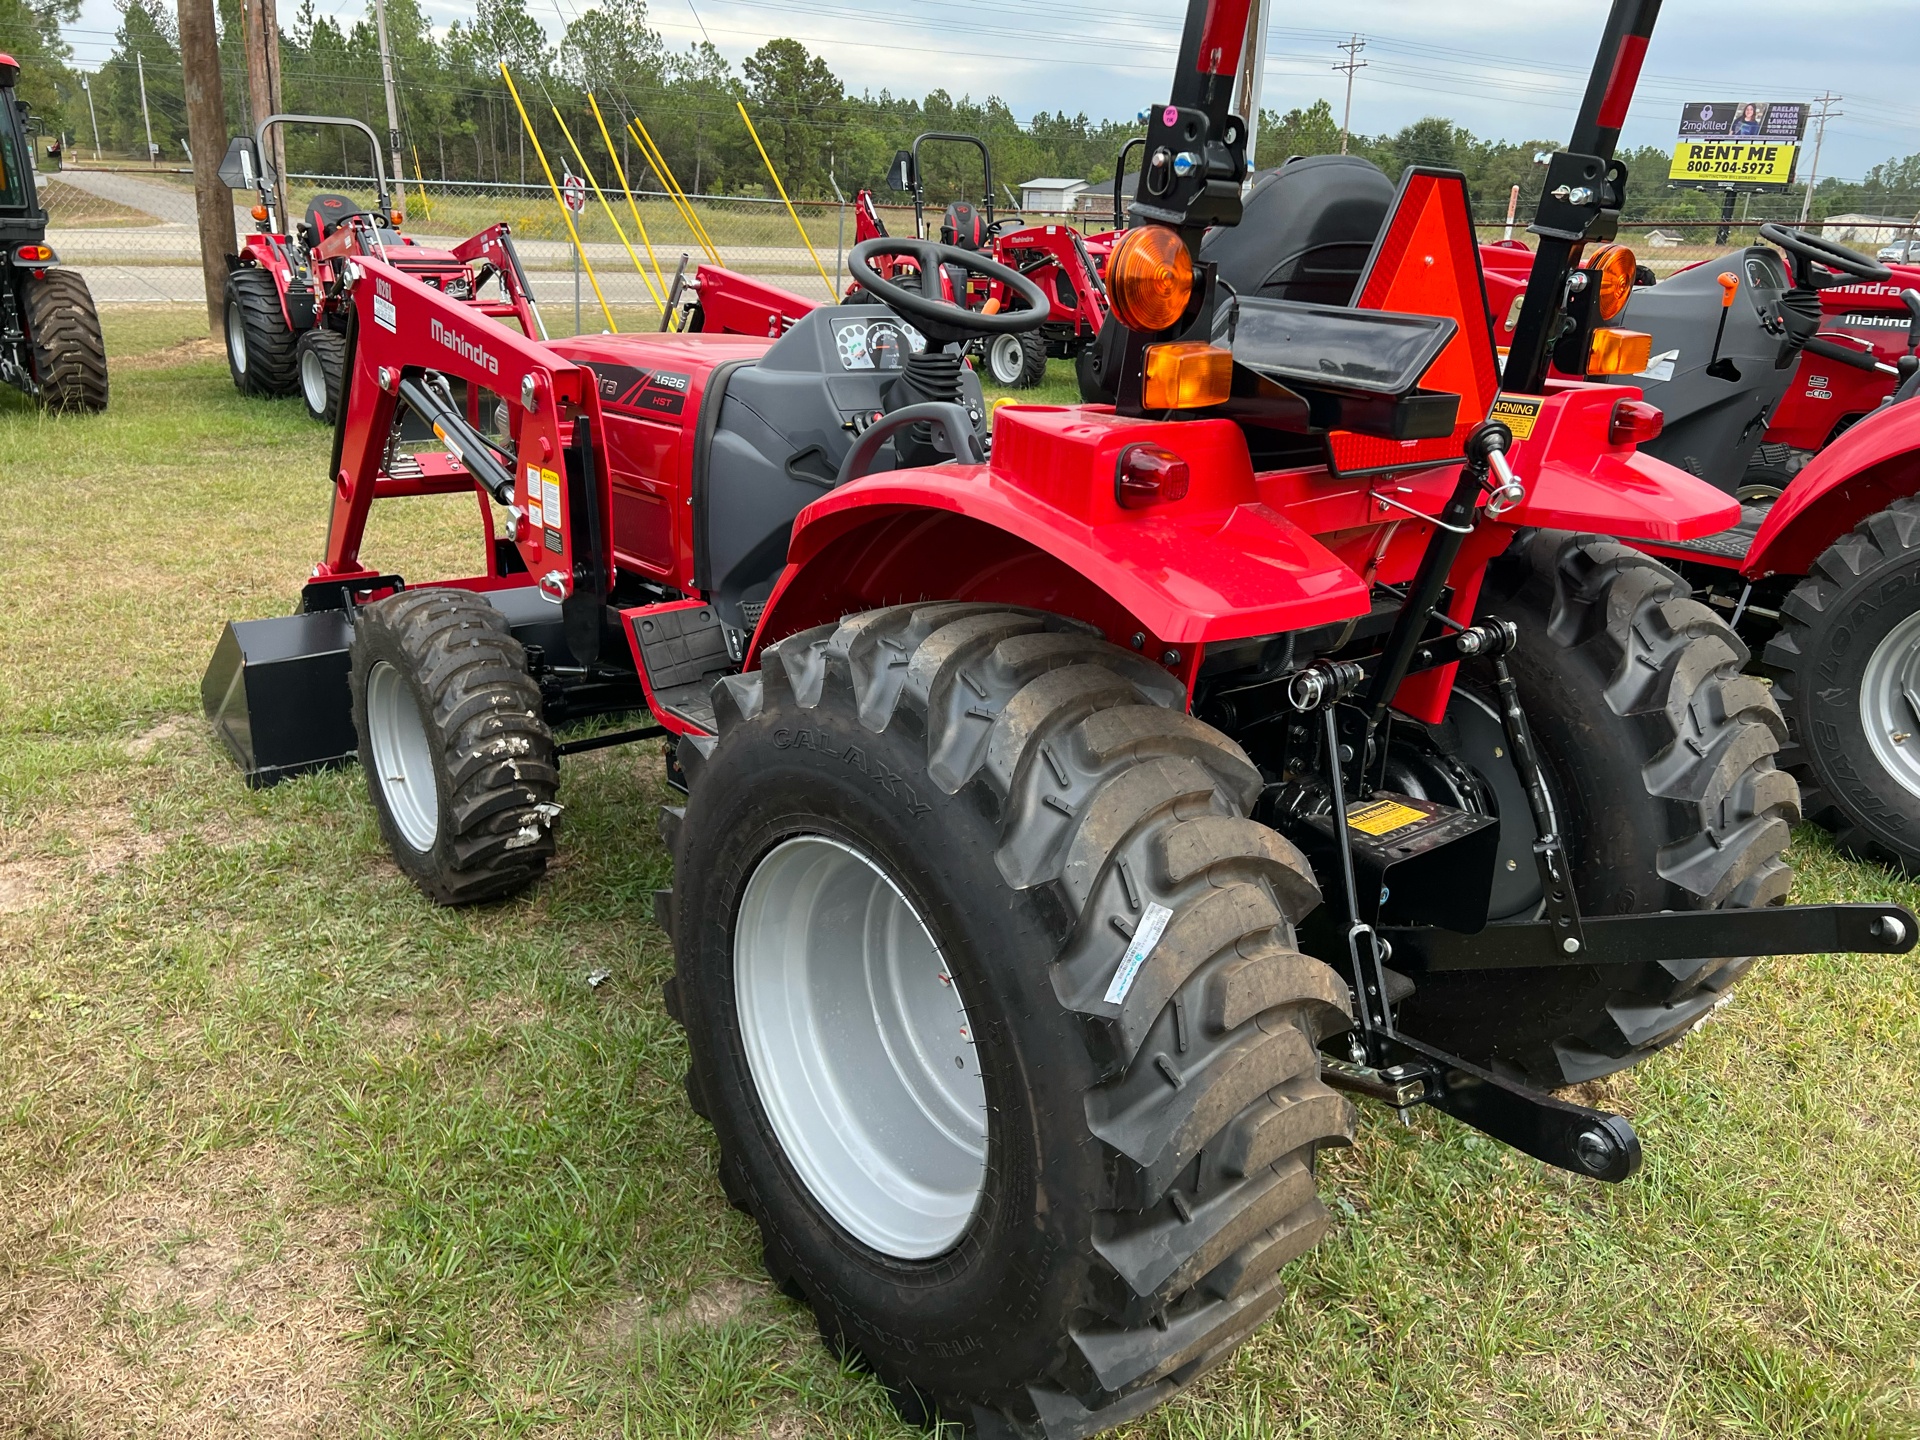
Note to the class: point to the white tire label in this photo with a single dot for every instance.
(1153, 924)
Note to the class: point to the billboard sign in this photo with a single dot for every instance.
(1745, 145)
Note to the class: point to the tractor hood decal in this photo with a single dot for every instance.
(630, 390)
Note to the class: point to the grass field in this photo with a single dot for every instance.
(285, 1151)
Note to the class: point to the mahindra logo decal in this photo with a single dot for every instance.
(466, 349)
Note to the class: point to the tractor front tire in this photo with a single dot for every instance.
(1016, 362)
(1845, 665)
(260, 346)
(995, 1007)
(459, 762)
(320, 355)
(65, 351)
(1659, 758)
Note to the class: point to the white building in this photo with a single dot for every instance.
(1051, 194)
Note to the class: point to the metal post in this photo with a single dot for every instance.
(86, 85)
(1353, 62)
(393, 107)
(840, 236)
(1513, 204)
(1826, 103)
(576, 289)
(1726, 216)
(140, 67)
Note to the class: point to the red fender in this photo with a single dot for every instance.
(1040, 526)
(1873, 464)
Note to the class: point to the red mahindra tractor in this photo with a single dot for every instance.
(50, 345)
(1075, 807)
(285, 306)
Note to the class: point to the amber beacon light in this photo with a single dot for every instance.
(1150, 279)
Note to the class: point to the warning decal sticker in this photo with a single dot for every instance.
(1383, 817)
(1518, 413)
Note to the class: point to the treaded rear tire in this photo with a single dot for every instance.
(262, 364)
(494, 769)
(328, 350)
(1862, 584)
(1149, 1164)
(68, 356)
(1659, 752)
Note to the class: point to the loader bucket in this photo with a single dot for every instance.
(276, 692)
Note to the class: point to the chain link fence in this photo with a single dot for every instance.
(132, 232)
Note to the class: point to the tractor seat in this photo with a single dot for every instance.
(963, 228)
(1306, 230)
(326, 212)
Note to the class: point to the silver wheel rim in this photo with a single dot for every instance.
(1006, 359)
(860, 1048)
(236, 336)
(313, 380)
(402, 757)
(1890, 703)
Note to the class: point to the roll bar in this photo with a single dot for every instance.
(269, 183)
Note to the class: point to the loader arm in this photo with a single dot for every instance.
(546, 479)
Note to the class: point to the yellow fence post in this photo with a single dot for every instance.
(420, 183)
(659, 163)
(658, 300)
(793, 214)
(627, 190)
(558, 198)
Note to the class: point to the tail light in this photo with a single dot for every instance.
(1150, 278)
(33, 254)
(1187, 375)
(1635, 422)
(1149, 475)
(1619, 352)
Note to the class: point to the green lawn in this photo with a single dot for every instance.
(286, 1151)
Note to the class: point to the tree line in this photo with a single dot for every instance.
(459, 122)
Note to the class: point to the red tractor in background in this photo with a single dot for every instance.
(1076, 804)
(285, 307)
(50, 345)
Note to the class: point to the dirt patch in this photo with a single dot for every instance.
(211, 1301)
(181, 352)
(618, 1326)
(25, 883)
(172, 728)
(1615, 1093)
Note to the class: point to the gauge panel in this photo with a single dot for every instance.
(881, 344)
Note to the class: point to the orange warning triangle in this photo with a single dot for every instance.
(1427, 262)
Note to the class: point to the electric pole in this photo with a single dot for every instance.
(1353, 62)
(86, 85)
(1826, 103)
(261, 37)
(207, 127)
(153, 151)
(399, 200)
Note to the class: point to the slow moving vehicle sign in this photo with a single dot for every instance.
(1751, 144)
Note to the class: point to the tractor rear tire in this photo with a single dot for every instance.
(321, 355)
(65, 351)
(1016, 362)
(1844, 672)
(260, 346)
(459, 762)
(1659, 757)
(913, 867)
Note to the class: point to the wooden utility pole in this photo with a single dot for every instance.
(207, 133)
(262, 43)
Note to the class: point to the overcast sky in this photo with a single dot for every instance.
(1499, 67)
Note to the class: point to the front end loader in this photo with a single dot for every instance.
(1080, 803)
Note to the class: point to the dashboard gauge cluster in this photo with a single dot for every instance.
(881, 344)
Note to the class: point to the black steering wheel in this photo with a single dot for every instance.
(939, 319)
(1819, 250)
